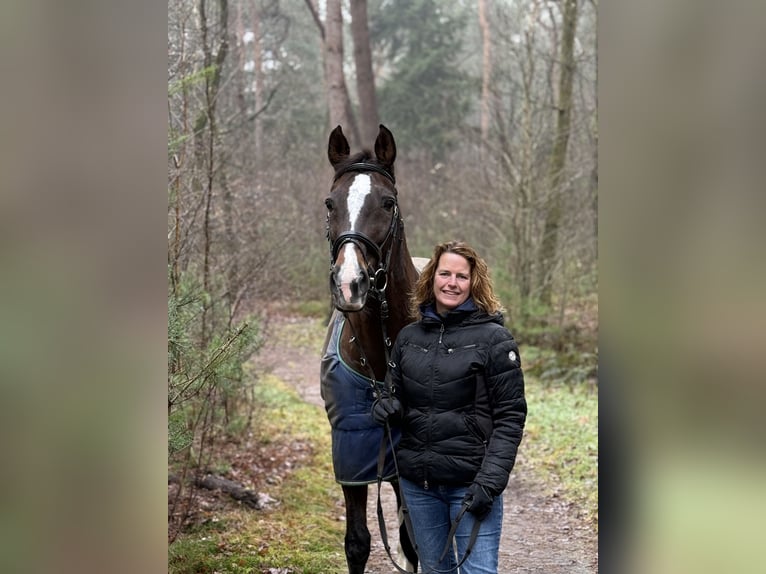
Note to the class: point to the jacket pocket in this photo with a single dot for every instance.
(417, 348)
(462, 348)
(475, 429)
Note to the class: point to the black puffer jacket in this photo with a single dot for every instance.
(461, 386)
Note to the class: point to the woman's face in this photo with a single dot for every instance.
(452, 282)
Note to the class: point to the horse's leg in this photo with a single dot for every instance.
(405, 544)
(357, 542)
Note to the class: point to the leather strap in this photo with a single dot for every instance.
(362, 166)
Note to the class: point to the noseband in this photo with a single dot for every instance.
(361, 240)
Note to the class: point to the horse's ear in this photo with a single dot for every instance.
(385, 147)
(338, 148)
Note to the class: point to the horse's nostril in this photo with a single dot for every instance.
(360, 285)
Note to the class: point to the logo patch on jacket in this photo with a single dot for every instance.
(512, 356)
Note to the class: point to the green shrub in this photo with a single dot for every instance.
(207, 386)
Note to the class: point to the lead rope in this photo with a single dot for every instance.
(408, 522)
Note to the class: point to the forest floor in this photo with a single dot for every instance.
(542, 533)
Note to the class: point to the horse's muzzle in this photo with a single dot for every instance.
(349, 294)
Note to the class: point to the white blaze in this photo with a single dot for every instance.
(357, 194)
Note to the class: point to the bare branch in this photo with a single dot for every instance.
(317, 20)
(265, 106)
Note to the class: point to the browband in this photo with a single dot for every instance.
(361, 166)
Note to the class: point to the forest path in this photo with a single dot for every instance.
(542, 534)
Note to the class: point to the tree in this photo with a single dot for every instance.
(486, 68)
(259, 83)
(206, 127)
(338, 101)
(558, 154)
(365, 79)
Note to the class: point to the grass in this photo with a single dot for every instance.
(561, 441)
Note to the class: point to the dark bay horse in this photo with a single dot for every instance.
(371, 276)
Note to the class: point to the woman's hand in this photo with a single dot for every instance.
(386, 409)
(479, 501)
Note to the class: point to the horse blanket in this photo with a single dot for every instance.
(356, 437)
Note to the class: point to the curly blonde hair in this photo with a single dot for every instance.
(482, 291)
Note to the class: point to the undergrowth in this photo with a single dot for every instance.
(301, 534)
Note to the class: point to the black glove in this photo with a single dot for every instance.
(479, 501)
(385, 408)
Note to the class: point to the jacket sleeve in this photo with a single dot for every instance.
(505, 388)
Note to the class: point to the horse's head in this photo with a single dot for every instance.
(362, 218)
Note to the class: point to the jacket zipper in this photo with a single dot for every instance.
(425, 482)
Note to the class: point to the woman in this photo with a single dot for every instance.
(458, 396)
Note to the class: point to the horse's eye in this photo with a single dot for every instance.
(329, 204)
(389, 203)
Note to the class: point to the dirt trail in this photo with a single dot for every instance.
(541, 533)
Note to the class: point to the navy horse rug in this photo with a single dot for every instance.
(356, 437)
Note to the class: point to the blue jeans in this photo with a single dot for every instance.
(432, 512)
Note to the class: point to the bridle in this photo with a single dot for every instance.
(379, 276)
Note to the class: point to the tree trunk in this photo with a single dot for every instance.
(207, 119)
(365, 79)
(259, 87)
(486, 68)
(549, 243)
(240, 55)
(338, 101)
